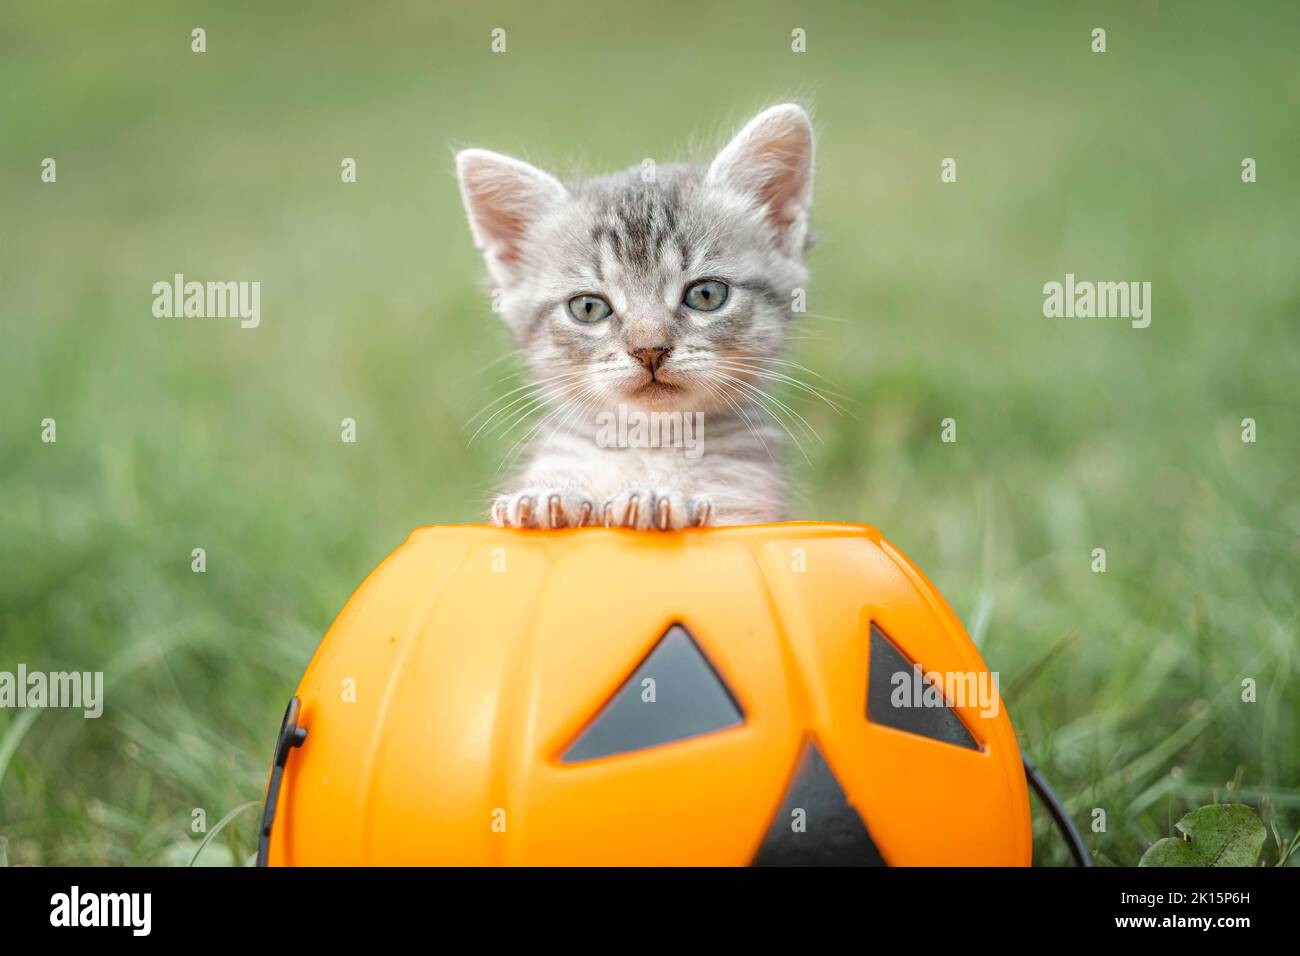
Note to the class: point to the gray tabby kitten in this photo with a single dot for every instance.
(650, 293)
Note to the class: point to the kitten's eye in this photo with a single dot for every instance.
(706, 296)
(589, 308)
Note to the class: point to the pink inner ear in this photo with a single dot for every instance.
(781, 181)
(499, 218)
(771, 160)
(503, 198)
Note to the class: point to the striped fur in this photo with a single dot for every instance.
(742, 220)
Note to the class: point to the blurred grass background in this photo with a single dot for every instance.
(925, 304)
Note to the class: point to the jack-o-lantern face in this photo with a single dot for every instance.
(715, 697)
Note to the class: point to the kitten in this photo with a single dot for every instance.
(658, 296)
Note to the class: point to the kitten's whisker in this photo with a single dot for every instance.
(780, 361)
(767, 396)
(533, 404)
(576, 414)
(532, 385)
(788, 380)
(526, 439)
(530, 396)
(762, 362)
(497, 361)
(776, 409)
(728, 381)
(504, 378)
(529, 402)
(546, 396)
(523, 370)
(751, 397)
(753, 430)
(575, 395)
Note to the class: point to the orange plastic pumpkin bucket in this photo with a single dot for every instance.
(720, 696)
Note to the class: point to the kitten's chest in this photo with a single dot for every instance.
(644, 463)
(618, 464)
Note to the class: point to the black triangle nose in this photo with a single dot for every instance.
(651, 358)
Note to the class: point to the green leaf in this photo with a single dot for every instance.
(1217, 835)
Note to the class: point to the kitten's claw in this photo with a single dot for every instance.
(542, 508)
(703, 512)
(658, 509)
(632, 513)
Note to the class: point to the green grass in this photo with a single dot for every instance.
(926, 304)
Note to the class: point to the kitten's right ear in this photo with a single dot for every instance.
(771, 162)
(503, 197)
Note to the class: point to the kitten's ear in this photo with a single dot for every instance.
(771, 162)
(503, 196)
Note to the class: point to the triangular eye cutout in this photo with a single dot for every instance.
(923, 717)
(687, 698)
(815, 825)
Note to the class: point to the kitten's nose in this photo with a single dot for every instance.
(651, 358)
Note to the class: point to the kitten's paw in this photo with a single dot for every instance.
(545, 507)
(656, 509)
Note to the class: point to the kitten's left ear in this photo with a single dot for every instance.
(503, 198)
(771, 162)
